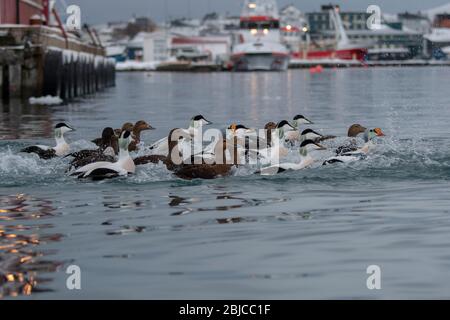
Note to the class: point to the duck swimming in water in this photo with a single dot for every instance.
(294, 135)
(306, 160)
(140, 126)
(108, 149)
(61, 148)
(220, 168)
(117, 132)
(353, 132)
(160, 147)
(277, 150)
(359, 153)
(105, 170)
(107, 140)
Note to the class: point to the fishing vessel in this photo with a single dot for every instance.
(260, 47)
(340, 48)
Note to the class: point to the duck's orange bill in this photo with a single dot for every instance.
(379, 132)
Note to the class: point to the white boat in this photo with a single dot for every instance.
(260, 47)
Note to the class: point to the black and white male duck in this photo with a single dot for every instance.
(61, 149)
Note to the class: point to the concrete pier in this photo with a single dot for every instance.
(39, 61)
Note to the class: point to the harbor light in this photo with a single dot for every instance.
(266, 31)
(305, 29)
(288, 27)
(253, 31)
(252, 5)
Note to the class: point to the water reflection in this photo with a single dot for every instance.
(22, 260)
(19, 120)
(230, 199)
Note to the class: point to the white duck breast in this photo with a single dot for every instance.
(305, 160)
(62, 148)
(104, 170)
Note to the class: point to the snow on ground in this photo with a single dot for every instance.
(136, 66)
(47, 100)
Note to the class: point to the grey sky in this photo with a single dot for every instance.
(97, 11)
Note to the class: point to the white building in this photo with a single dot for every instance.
(156, 46)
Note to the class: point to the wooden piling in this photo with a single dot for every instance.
(48, 65)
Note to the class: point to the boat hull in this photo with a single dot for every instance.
(345, 54)
(260, 62)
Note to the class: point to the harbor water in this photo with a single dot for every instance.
(305, 234)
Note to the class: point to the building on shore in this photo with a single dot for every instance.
(39, 58)
(388, 40)
(156, 46)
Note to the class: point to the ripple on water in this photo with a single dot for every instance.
(23, 261)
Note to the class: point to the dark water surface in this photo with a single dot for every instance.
(307, 234)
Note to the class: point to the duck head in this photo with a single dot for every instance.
(107, 134)
(282, 127)
(300, 119)
(370, 134)
(60, 129)
(308, 146)
(142, 125)
(270, 126)
(239, 129)
(355, 130)
(127, 126)
(125, 140)
(198, 121)
(109, 139)
(309, 134)
(63, 128)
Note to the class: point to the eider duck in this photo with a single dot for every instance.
(358, 153)
(294, 135)
(306, 160)
(117, 132)
(277, 150)
(108, 140)
(105, 170)
(61, 148)
(140, 126)
(353, 132)
(160, 147)
(300, 119)
(220, 168)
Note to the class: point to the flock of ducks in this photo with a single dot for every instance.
(184, 154)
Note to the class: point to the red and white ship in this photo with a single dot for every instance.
(260, 47)
(342, 48)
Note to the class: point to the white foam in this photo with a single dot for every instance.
(19, 164)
